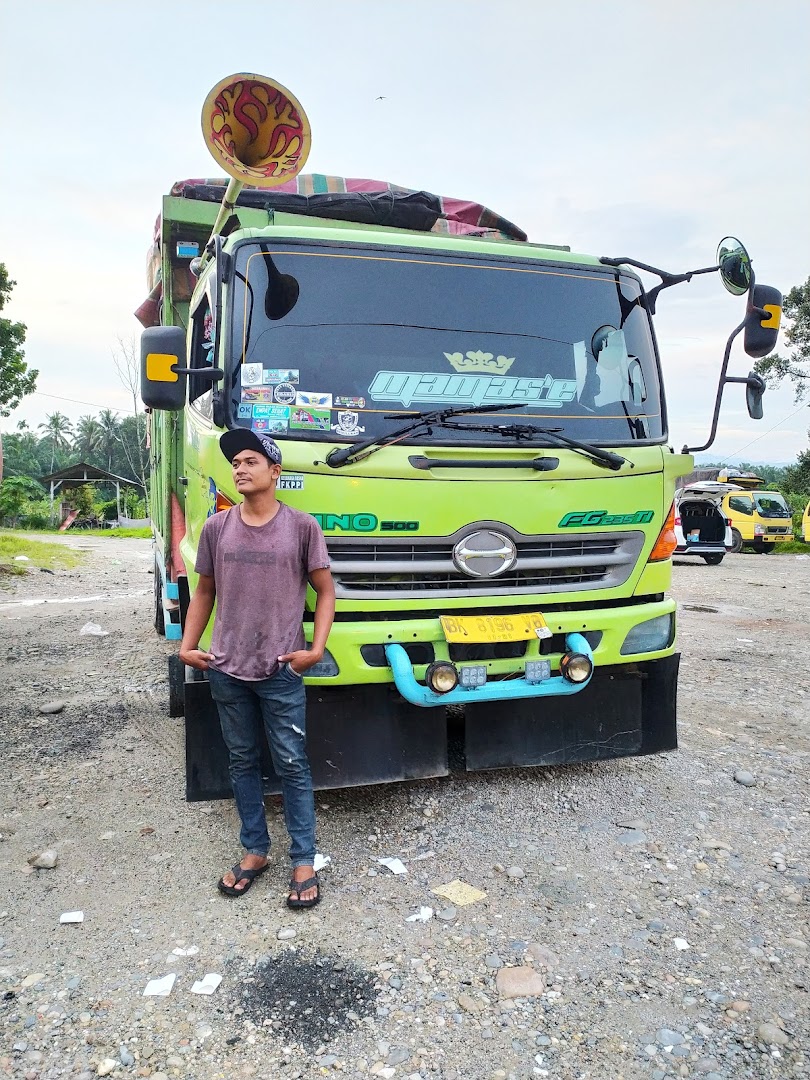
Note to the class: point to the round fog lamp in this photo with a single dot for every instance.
(576, 667)
(442, 677)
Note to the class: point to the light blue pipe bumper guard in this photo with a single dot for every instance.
(501, 690)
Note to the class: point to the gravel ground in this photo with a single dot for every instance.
(649, 915)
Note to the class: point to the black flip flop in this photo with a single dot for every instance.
(241, 874)
(301, 886)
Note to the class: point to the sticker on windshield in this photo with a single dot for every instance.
(311, 418)
(406, 387)
(312, 400)
(284, 393)
(244, 412)
(341, 402)
(275, 374)
(480, 361)
(257, 393)
(347, 424)
(277, 427)
(251, 374)
(272, 412)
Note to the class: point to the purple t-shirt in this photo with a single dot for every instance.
(260, 573)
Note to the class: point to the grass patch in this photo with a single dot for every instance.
(794, 547)
(49, 556)
(115, 534)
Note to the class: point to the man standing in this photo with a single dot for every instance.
(255, 559)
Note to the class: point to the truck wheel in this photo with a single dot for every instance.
(160, 615)
(713, 560)
(177, 687)
(736, 542)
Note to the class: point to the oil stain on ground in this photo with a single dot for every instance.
(309, 998)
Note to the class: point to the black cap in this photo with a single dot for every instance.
(238, 439)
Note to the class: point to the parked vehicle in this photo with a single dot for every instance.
(700, 525)
(806, 524)
(477, 422)
(759, 519)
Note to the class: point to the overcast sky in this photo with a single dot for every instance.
(632, 128)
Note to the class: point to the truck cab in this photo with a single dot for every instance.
(760, 520)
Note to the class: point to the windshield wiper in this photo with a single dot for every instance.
(432, 417)
(529, 431)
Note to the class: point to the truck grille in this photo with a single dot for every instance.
(404, 568)
(780, 529)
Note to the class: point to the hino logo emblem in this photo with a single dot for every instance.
(484, 554)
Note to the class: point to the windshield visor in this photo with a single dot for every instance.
(326, 343)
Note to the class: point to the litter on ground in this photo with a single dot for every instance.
(459, 893)
(160, 987)
(424, 914)
(321, 861)
(396, 866)
(207, 984)
(71, 917)
(92, 629)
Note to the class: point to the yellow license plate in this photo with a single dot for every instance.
(480, 628)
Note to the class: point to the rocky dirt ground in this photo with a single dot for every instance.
(651, 915)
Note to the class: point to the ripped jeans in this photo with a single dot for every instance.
(280, 704)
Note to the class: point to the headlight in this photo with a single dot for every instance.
(759, 530)
(575, 667)
(442, 677)
(650, 636)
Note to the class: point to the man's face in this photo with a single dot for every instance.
(253, 473)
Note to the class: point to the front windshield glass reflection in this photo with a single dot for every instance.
(327, 342)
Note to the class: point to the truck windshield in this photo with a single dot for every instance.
(328, 342)
(770, 504)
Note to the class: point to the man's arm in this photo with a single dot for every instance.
(197, 616)
(302, 659)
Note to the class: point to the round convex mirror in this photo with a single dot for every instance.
(735, 265)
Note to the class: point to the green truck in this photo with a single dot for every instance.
(477, 422)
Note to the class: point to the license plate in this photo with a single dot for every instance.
(476, 629)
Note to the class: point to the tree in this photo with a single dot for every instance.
(16, 494)
(15, 379)
(129, 372)
(110, 436)
(87, 438)
(794, 366)
(57, 430)
(797, 477)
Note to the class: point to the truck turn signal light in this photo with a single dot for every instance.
(666, 542)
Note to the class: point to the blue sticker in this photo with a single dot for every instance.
(245, 412)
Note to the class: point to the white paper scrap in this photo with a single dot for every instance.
(160, 987)
(208, 984)
(680, 943)
(71, 916)
(92, 629)
(321, 861)
(396, 866)
(424, 914)
(192, 950)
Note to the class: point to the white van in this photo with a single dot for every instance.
(700, 525)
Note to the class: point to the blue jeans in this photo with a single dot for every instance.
(279, 703)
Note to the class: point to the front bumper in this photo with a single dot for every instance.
(417, 694)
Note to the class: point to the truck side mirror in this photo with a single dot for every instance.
(762, 320)
(754, 389)
(734, 264)
(163, 362)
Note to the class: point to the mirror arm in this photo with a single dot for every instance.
(214, 374)
(720, 386)
(667, 279)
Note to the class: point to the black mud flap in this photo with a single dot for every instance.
(355, 735)
(624, 711)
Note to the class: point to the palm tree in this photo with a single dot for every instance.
(87, 438)
(58, 431)
(110, 437)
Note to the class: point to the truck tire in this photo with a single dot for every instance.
(736, 542)
(177, 687)
(763, 549)
(713, 560)
(160, 615)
